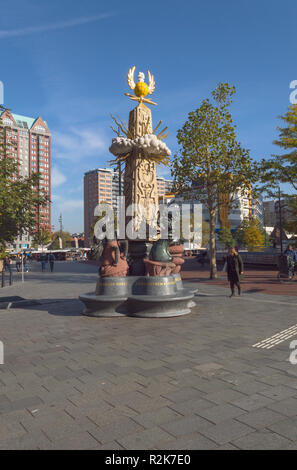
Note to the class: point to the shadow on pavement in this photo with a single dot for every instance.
(60, 307)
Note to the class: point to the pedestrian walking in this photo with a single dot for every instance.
(51, 261)
(18, 263)
(43, 262)
(8, 263)
(234, 270)
(26, 269)
(292, 259)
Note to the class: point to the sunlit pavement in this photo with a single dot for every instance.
(219, 378)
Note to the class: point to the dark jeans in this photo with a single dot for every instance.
(52, 266)
(235, 283)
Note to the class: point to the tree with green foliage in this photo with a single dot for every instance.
(66, 240)
(291, 224)
(211, 162)
(20, 197)
(226, 238)
(250, 234)
(283, 168)
(41, 238)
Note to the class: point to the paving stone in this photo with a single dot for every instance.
(156, 417)
(183, 394)
(108, 446)
(194, 441)
(261, 441)
(286, 428)
(252, 402)
(147, 439)
(11, 430)
(217, 414)
(287, 407)
(116, 430)
(227, 447)
(226, 431)
(102, 418)
(191, 407)
(260, 418)
(186, 425)
(279, 392)
(251, 387)
(81, 441)
(27, 441)
(224, 396)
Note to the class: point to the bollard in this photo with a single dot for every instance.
(10, 278)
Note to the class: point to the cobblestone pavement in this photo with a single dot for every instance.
(193, 382)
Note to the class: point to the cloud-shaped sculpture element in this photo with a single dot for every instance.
(149, 144)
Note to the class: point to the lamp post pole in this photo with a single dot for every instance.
(280, 207)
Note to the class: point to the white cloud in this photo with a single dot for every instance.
(57, 177)
(8, 33)
(78, 143)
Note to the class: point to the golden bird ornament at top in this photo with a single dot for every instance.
(141, 89)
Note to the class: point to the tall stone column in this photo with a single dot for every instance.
(140, 187)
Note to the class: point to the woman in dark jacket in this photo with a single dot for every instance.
(234, 270)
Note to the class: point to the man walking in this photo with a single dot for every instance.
(18, 263)
(43, 262)
(7, 263)
(292, 258)
(51, 261)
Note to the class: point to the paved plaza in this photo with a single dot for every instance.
(215, 379)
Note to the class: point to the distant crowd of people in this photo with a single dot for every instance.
(26, 259)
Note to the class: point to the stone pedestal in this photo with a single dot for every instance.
(139, 296)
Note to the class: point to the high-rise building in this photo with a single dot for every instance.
(105, 185)
(29, 143)
(164, 186)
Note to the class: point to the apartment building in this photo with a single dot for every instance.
(29, 143)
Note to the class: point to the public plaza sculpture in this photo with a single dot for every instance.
(153, 286)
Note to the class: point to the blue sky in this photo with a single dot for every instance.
(67, 61)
